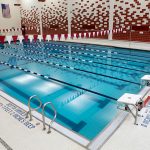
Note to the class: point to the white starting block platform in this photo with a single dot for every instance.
(134, 102)
(130, 101)
(128, 98)
(145, 80)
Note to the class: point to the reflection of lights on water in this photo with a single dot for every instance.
(78, 104)
(47, 87)
(24, 79)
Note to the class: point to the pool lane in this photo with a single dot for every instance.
(72, 113)
(70, 57)
(131, 54)
(101, 71)
(91, 56)
(121, 53)
(73, 58)
(103, 59)
(63, 76)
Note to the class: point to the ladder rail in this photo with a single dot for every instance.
(29, 113)
(43, 116)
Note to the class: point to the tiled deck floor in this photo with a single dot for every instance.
(129, 137)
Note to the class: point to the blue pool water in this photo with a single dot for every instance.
(84, 82)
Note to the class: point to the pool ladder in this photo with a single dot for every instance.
(29, 113)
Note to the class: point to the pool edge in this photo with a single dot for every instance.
(102, 138)
(60, 129)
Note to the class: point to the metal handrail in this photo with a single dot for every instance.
(32, 109)
(43, 116)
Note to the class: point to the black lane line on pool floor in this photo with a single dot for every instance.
(5, 144)
(112, 52)
(76, 44)
(102, 56)
(94, 62)
(96, 51)
(82, 60)
(88, 47)
(65, 57)
(64, 66)
(144, 61)
(53, 79)
(68, 51)
(83, 46)
(98, 55)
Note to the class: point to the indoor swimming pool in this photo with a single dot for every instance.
(82, 81)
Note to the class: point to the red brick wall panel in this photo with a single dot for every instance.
(128, 13)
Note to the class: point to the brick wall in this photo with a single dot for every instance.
(132, 13)
(54, 17)
(90, 15)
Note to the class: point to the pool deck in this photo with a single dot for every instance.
(14, 135)
(129, 137)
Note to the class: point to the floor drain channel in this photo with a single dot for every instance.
(5, 144)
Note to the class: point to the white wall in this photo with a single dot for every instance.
(27, 4)
(14, 21)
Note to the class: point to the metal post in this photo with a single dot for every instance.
(129, 110)
(136, 116)
(29, 106)
(43, 116)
